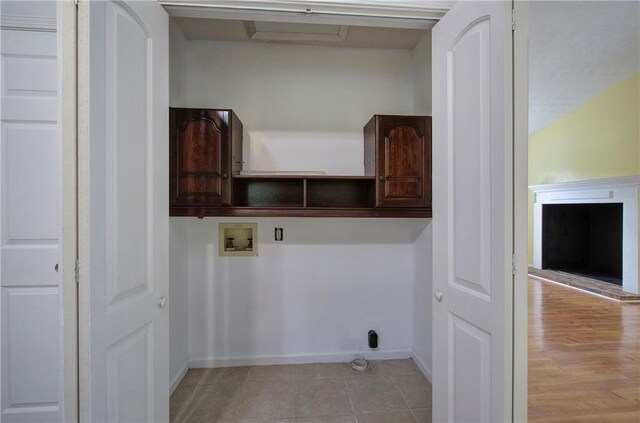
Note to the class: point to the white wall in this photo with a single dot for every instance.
(179, 272)
(177, 46)
(312, 297)
(316, 295)
(289, 97)
(422, 76)
(178, 241)
(422, 300)
(422, 248)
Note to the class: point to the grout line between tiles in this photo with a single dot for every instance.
(189, 400)
(295, 398)
(350, 400)
(395, 382)
(296, 379)
(244, 390)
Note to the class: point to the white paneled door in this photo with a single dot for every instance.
(472, 214)
(30, 215)
(129, 212)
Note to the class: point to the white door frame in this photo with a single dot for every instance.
(67, 67)
(84, 213)
(520, 208)
(515, 301)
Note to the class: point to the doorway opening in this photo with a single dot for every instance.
(583, 157)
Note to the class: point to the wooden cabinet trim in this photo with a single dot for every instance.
(398, 189)
(394, 195)
(204, 184)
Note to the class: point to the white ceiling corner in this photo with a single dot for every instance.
(381, 24)
(578, 49)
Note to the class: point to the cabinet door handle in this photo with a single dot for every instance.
(224, 175)
(382, 178)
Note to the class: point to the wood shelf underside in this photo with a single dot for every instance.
(301, 196)
(299, 212)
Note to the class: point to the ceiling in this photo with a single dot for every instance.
(300, 33)
(336, 23)
(578, 50)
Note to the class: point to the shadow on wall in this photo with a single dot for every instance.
(334, 153)
(238, 304)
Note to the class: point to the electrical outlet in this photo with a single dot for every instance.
(278, 234)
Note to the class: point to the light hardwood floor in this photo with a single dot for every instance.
(584, 357)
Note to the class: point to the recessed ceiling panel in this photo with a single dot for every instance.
(296, 28)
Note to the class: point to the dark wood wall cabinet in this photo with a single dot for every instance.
(205, 152)
(206, 160)
(397, 152)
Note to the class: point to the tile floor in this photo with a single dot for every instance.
(390, 391)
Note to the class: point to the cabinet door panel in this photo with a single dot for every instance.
(200, 157)
(200, 185)
(403, 149)
(403, 153)
(200, 142)
(403, 188)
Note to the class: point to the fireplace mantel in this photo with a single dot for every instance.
(625, 190)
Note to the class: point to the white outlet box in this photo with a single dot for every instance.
(238, 239)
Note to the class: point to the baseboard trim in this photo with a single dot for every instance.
(176, 380)
(422, 366)
(297, 358)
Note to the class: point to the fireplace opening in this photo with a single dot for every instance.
(583, 239)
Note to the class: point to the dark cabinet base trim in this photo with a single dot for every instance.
(298, 212)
